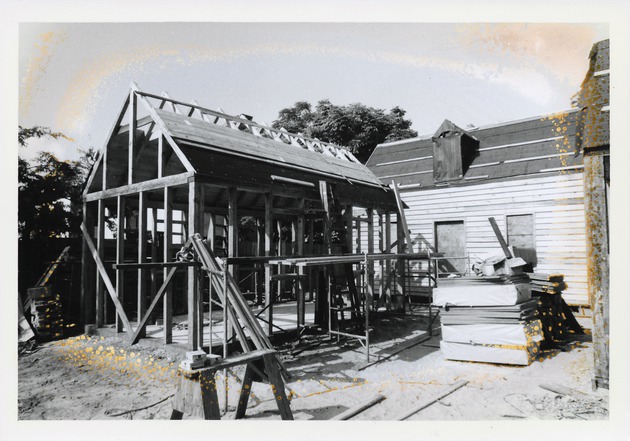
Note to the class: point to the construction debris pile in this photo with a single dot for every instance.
(46, 315)
(489, 319)
(557, 318)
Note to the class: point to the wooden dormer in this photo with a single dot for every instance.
(453, 152)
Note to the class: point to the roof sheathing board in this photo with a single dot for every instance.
(234, 142)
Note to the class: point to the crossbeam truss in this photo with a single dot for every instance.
(245, 123)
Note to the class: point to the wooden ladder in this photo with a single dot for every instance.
(344, 272)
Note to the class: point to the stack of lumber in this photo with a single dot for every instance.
(46, 312)
(547, 283)
(558, 321)
(489, 319)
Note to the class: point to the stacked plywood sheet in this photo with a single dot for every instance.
(489, 319)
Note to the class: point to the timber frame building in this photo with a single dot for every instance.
(171, 169)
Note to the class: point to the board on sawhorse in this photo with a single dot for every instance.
(197, 392)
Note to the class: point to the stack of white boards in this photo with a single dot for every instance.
(489, 319)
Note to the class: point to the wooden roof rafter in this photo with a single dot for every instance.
(244, 124)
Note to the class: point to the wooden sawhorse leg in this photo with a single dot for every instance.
(276, 383)
(192, 387)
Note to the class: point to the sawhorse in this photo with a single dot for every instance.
(201, 382)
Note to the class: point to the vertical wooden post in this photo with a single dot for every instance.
(357, 241)
(233, 223)
(348, 213)
(597, 263)
(280, 253)
(400, 234)
(133, 110)
(388, 263)
(168, 244)
(154, 252)
(88, 272)
(100, 246)
(370, 264)
(299, 239)
(120, 257)
(160, 166)
(268, 245)
(142, 251)
(260, 251)
(311, 250)
(195, 214)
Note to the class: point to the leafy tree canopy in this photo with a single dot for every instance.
(49, 190)
(357, 127)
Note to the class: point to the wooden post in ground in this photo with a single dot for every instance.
(400, 236)
(167, 257)
(388, 262)
(100, 246)
(88, 272)
(120, 257)
(597, 241)
(369, 299)
(299, 250)
(233, 223)
(268, 245)
(142, 241)
(195, 213)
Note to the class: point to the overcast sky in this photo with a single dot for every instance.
(74, 76)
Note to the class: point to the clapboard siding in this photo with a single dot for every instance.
(557, 206)
(556, 203)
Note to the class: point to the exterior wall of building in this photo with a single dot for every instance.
(556, 203)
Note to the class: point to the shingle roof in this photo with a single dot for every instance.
(527, 147)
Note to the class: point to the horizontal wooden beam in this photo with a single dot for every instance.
(156, 265)
(153, 184)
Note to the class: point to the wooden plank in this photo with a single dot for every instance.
(87, 275)
(164, 130)
(277, 386)
(152, 184)
(120, 255)
(426, 403)
(100, 246)
(143, 320)
(194, 206)
(598, 264)
(268, 245)
(500, 239)
(108, 284)
(299, 239)
(400, 348)
(359, 408)
(102, 157)
(142, 249)
(168, 243)
(133, 112)
(402, 219)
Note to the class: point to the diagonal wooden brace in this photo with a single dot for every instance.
(108, 284)
(156, 299)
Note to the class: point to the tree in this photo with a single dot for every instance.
(49, 190)
(356, 127)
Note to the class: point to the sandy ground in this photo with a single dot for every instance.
(102, 378)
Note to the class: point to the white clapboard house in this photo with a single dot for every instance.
(525, 174)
